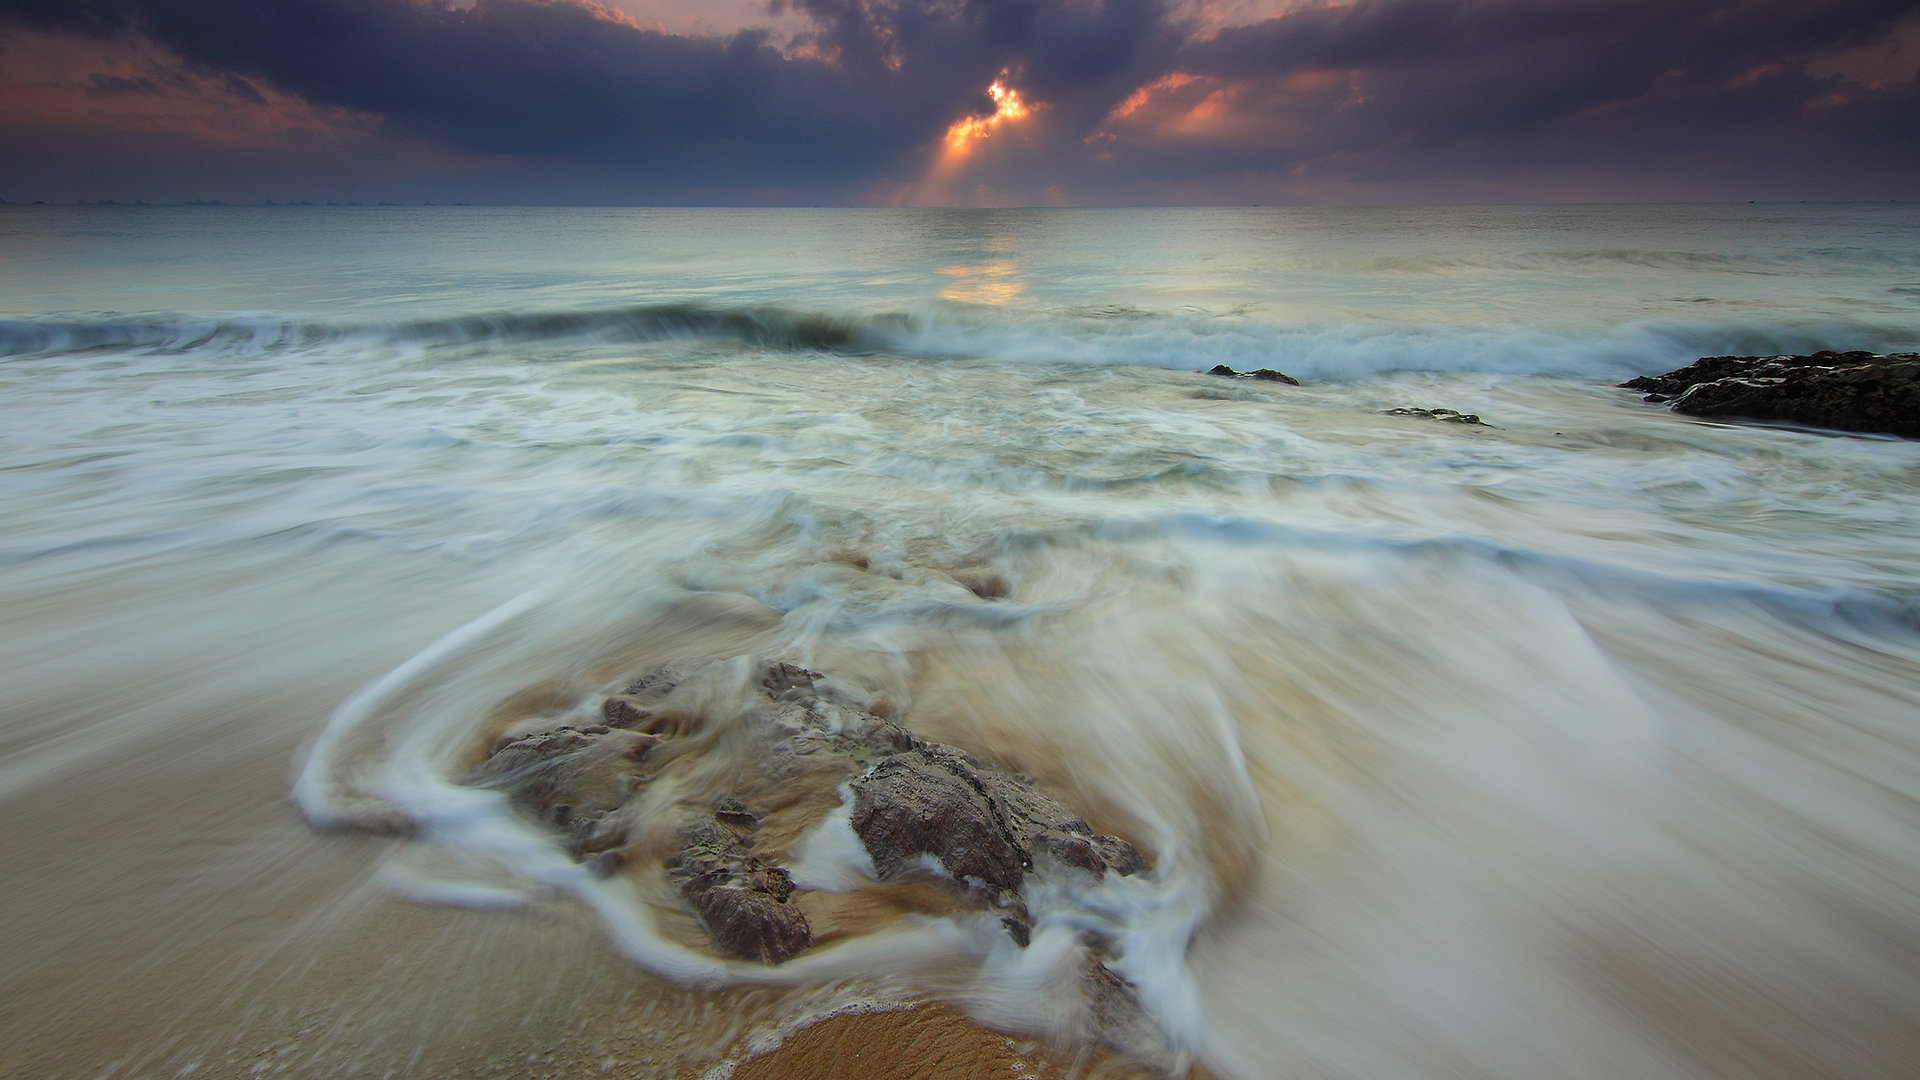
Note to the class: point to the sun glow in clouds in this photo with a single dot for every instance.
(964, 138)
(971, 129)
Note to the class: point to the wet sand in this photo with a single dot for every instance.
(169, 914)
(165, 912)
(933, 1043)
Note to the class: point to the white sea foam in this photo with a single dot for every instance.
(831, 857)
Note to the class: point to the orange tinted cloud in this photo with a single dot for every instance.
(1176, 105)
(1880, 66)
(1209, 16)
(1183, 106)
(1170, 81)
(133, 85)
(1008, 108)
(964, 137)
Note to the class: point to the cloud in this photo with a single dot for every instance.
(874, 83)
(1135, 100)
(1634, 97)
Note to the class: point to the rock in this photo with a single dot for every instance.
(982, 581)
(888, 737)
(571, 778)
(655, 685)
(926, 802)
(915, 805)
(639, 707)
(740, 899)
(1447, 415)
(986, 828)
(1118, 1020)
(787, 682)
(731, 811)
(622, 713)
(1262, 374)
(1851, 391)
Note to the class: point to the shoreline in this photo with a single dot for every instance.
(928, 1041)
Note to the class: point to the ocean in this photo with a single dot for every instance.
(1580, 742)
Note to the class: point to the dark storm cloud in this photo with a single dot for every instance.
(562, 80)
(1694, 95)
(1372, 91)
(109, 85)
(1443, 71)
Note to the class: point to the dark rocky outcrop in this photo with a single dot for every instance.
(1851, 391)
(1261, 374)
(1445, 415)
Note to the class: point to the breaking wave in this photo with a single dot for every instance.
(1073, 336)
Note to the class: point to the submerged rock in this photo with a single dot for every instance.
(1261, 374)
(1851, 391)
(1446, 415)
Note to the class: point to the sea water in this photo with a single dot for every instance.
(1581, 742)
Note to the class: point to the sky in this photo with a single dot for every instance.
(960, 102)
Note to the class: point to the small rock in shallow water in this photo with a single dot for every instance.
(593, 833)
(622, 713)
(1118, 1019)
(1261, 374)
(1447, 415)
(987, 828)
(639, 707)
(928, 803)
(571, 778)
(566, 767)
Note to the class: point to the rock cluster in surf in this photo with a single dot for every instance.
(739, 898)
(1444, 415)
(923, 811)
(1259, 374)
(573, 778)
(1851, 391)
(984, 826)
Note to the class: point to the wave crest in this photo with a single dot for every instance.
(1110, 336)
